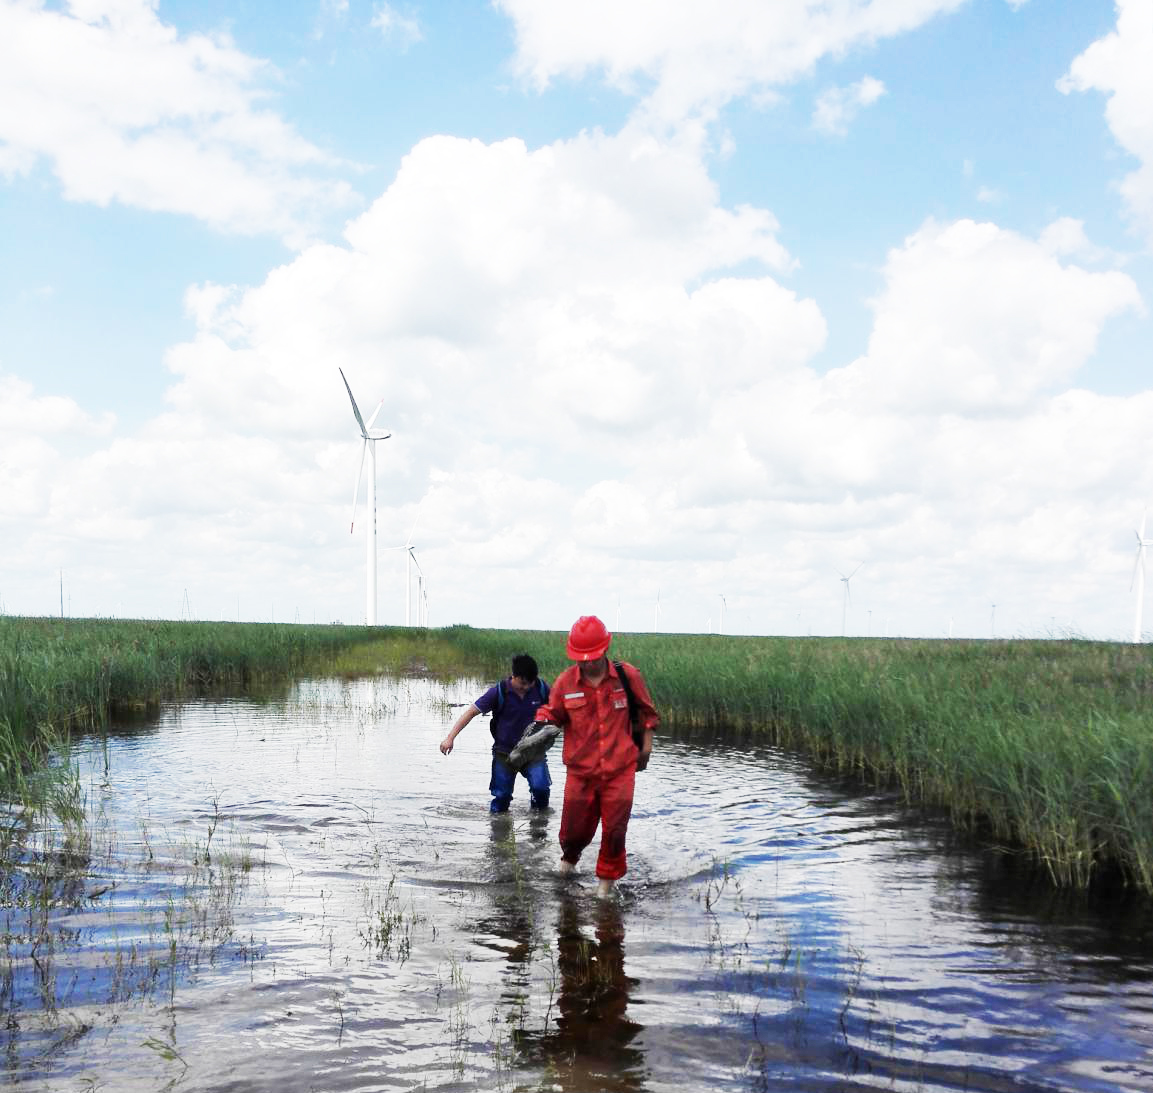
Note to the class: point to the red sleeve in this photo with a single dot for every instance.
(553, 710)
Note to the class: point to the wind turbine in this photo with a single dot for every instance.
(721, 628)
(848, 596)
(1139, 577)
(409, 562)
(420, 594)
(371, 436)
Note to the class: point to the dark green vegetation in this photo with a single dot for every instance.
(1045, 745)
(61, 674)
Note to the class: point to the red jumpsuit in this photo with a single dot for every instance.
(601, 759)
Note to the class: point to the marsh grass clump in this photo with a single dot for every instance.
(388, 924)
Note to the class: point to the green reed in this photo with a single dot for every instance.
(1045, 745)
(56, 674)
(60, 674)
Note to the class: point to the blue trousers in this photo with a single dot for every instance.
(504, 778)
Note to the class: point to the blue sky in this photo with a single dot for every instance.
(714, 305)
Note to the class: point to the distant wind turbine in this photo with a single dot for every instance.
(657, 613)
(1139, 577)
(848, 596)
(409, 562)
(721, 628)
(421, 596)
(371, 436)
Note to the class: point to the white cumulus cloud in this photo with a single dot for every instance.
(125, 109)
(837, 107)
(686, 58)
(976, 319)
(1119, 65)
(396, 26)
(600, 384)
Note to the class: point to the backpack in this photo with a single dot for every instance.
(637, 732)
(501, 687)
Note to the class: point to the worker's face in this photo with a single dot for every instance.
(594, 668)
(521, 685)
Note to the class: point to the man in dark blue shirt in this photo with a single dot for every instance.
(513, 703)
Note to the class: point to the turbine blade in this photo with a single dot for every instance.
(376, 413)
(408, 541)
(1138, 563)
(416, 563)
(355, 408)
(356, 487)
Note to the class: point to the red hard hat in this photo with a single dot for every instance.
(588, 639)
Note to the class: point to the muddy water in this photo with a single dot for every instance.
(305, 895)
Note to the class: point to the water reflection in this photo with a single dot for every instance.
(588, 1044)
(584, 1038)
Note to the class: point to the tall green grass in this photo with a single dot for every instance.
(56, 674)
(1044, 745)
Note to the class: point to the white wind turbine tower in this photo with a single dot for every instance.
(848, 596)
(421, 595)
(1139, 578)
(371, 436)
(409, 562)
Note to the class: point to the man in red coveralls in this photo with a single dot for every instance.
(588, 700)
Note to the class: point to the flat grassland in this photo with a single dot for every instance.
(1046, 745)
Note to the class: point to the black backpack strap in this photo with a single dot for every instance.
(637, 732)
(497, 708)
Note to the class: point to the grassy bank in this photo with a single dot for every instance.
(1047, 745)
(58, 674)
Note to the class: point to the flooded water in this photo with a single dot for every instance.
(305, 895)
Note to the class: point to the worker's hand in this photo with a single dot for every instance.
(446, 745)
(643, 759)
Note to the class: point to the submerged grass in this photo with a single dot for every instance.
(1045, 745)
